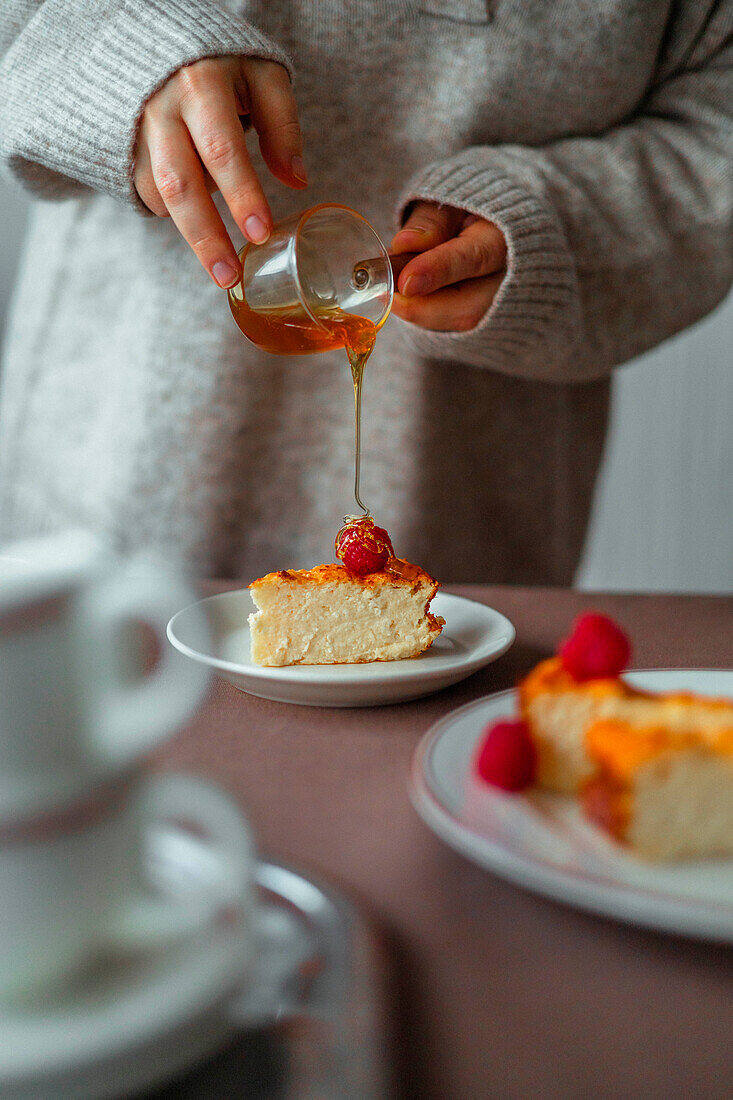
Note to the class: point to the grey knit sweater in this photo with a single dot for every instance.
(597, 134)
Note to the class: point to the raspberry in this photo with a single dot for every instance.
(507, 757)
(596, 649)
(363, 547)
(359, 559)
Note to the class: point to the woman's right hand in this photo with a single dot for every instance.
(192, 142)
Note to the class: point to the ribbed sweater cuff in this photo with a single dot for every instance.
(79, 75)
(535, 317)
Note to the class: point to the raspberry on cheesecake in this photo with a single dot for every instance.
(654, 771)
(371, 606)
(559, 711)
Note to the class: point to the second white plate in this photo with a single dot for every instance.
(541, 841)
(474, 635)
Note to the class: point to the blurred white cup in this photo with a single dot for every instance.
(76, 883)
(75, 701)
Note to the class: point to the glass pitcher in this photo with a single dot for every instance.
(319, 278)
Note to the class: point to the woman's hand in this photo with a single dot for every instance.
(449, 287)
(192, 142)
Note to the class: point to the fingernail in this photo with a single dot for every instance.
(256, 229)
(299, 169)
(224, 274)
(416, 284)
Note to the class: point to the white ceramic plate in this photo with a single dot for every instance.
(541, 841)
(473, 636)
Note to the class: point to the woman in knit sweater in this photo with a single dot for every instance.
(565, 171)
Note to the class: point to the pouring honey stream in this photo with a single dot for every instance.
(311, 287)
(283, 333)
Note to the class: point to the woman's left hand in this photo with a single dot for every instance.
(452, 283)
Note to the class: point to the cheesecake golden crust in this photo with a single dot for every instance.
(619, 749)
(550, 676)
(328, 615)
(653, 771)
(399, 569)
(559, 710)
(666, 793)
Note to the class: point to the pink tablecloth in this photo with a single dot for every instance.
(496, 992)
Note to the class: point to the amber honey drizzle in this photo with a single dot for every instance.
(359, 344)
(285, 332)
(404, 569)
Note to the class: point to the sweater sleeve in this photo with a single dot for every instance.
(616, 241)
(76, 75)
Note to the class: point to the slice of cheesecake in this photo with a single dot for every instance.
(559, 710)
(665, 794)
(329, 616)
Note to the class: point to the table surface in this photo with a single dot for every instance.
(495, 992)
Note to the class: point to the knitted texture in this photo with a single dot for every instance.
(82, 72)
(597, 136)
(538, 301)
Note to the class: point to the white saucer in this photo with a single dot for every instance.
(541, 841)
(138, 1018)
(139, 1022)
(474, 635)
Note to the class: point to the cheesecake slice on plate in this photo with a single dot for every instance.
(664, 794)
(330, 616)
(559, 711)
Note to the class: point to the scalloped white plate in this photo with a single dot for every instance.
(473, 636)
(541, 840)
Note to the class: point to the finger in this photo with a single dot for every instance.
(427, 225)
(179, 178)
(214, 126)
(274, 116)
(145, 184)
(457, 308)
(478, 250)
